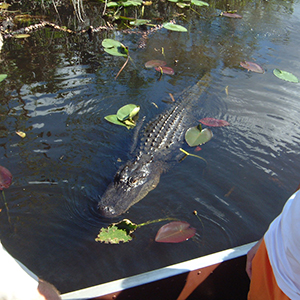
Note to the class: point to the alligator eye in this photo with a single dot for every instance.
(132, 180)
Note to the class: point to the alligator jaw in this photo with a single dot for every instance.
(131, 184)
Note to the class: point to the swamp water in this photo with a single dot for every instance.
(59, 89)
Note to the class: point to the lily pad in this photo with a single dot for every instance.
(5, 178)
(114, 47)
(2, 77)
(195, 136)
(112, 4)
(182, 5)
(132, 3)
(213, 122)
(174, 27)
(155, 63)
(114, 119)
(128, 112)
(284, 75)
(199, 3)
(175, 232)
(231, 15)
(139, 22)
(113, 235)
(251, 66)
(21, 35)
(117, 232)
(126, 116)
(165, 70)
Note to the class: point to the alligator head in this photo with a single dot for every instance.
(132, 183)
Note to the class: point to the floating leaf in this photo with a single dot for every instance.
(139, 22)
(175, 232)
(112, 235)
(114, 119)
(2, 77)
(165, 70)
(155, 63)
(112, 4)
(174, 27)
(284, 75)
(194, 136)
(199, 3)
(182, 5)
(114, 47)
(251, 66)
(21, 36)
(125, 116)
(5, 178)
(128, 112)
(110, 43)
(231, 15)
(213, 122)
(21, 134)
(132, 2)
(117, 232)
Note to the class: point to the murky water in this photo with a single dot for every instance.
(58, 90)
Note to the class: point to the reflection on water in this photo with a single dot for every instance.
(59, 91)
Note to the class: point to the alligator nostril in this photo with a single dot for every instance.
(107, 211)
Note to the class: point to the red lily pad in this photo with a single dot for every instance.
(212, 122)
(5, 178)
(155, 63)
(231, 15)
(175, 232)
(165, 70)
(251, 66)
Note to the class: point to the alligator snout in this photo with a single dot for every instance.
(107, 211)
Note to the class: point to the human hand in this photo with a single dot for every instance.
(47, 291)
(250, 255)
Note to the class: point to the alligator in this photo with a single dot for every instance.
(160, 142)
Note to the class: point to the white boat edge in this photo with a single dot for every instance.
(158, 274)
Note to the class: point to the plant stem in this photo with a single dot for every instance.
(156, 221)
(122, 67)
(194, 155)
(6, 206)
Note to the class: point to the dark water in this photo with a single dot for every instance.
(58, 90)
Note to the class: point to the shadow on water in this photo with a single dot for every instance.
(60, 87)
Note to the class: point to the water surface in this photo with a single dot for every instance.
(58, 90)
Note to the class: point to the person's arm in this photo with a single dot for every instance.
(250, 256)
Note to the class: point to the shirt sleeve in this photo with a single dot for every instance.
(17, 282)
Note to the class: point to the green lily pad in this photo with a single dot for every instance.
(195, 136)
(174, 27)
(112, 4)
(199, 3)
(21, 36)
(128, 112)
(114, 119)
(284, 75)
(114, 47)
(117, 232)
(113, 235)
(182, 5)
(132, 2)
(139, 22)
(2, 77)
